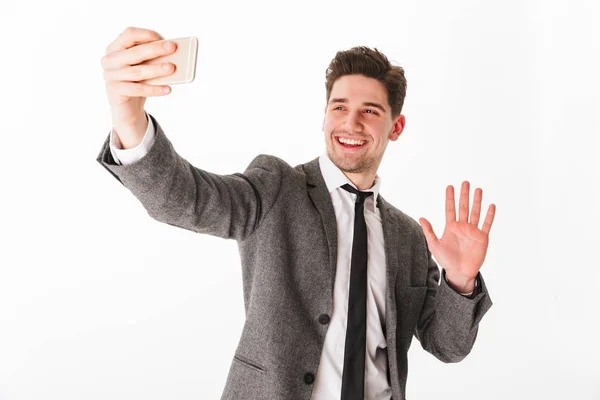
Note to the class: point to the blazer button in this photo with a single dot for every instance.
(324, 319)
(309, 378)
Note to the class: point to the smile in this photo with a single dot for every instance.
(350, 144)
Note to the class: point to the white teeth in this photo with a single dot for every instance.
(353, 142)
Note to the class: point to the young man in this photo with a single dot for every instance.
(336, 280)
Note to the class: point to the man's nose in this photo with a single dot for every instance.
(352, 123)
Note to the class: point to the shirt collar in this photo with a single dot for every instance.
(334, 178)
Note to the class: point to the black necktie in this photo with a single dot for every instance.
(353, 376)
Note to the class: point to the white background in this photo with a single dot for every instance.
(99, 301)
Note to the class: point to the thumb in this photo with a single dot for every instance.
(430, 236)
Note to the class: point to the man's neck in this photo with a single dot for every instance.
(364, 181)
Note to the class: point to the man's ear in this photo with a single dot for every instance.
(398, 128)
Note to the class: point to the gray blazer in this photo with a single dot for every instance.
(283, 220)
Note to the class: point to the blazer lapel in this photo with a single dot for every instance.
(317, 190)
(398, 246)
(390, 239)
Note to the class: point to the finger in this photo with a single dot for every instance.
(450, 210)
(132, 89)
(476, 210)
(136, 73)
(489, 218)
(463, 205)
(137, 54)
(430, 236)
(125, 50)
(132, 36)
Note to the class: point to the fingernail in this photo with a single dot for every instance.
(168, 45)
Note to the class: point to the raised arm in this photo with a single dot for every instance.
(175, 192)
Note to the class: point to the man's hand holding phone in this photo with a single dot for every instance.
(138, 64)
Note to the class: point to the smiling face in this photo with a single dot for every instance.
(358, 109)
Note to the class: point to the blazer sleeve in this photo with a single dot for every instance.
(173, 191)
(449, 321)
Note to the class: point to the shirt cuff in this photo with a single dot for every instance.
(131, 155)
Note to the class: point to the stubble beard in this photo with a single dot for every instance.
(353, 165)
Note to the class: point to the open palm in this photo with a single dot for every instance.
(463, 246)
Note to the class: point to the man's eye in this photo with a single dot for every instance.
(371, 111)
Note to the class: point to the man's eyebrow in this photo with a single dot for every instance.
(366, 103)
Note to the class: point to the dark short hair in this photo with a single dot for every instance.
(373, 64)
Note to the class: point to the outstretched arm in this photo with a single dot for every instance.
(175, 192)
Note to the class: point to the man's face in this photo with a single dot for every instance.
(358, 109)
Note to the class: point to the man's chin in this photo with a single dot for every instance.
(346, 165)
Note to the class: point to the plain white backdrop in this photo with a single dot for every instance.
(99, 301)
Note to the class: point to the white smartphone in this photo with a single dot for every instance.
(184, 58)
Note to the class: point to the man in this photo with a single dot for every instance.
(336, 280)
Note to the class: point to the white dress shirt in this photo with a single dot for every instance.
(328, 381)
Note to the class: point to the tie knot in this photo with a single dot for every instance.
(361, 196)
